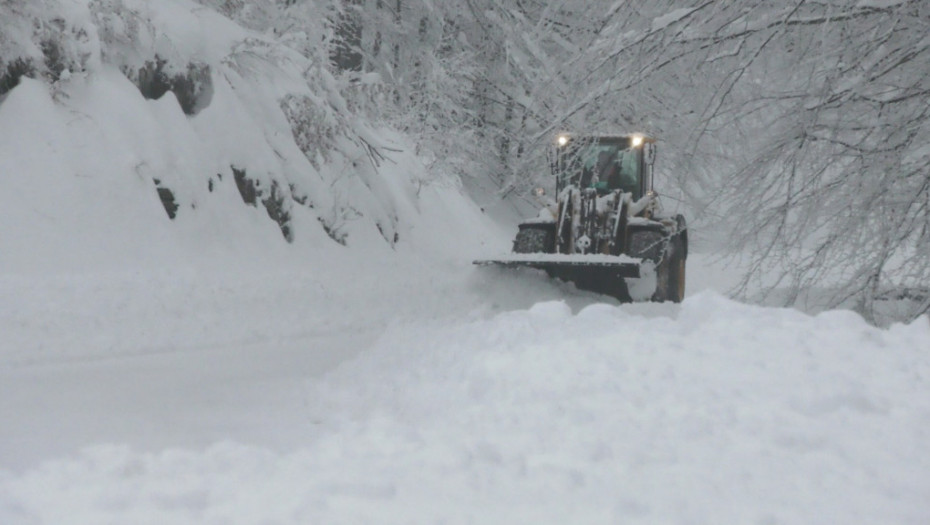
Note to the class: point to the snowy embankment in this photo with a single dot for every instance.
(716, 412)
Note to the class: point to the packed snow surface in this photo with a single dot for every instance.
(711, 412)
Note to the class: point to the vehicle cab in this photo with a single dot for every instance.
(604, 163)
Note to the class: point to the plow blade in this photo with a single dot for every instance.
(595, 273)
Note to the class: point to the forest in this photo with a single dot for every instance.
(794, 133)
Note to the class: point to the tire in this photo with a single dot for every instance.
(676, 279)
(533, 240)
(670, 274)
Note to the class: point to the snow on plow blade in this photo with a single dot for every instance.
(625, 266)
(595, 273)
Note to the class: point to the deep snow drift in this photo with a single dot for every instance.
(716, 412)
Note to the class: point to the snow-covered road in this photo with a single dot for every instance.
(189, 358)
(469, 399)
(253, 392)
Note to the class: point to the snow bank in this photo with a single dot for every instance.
(98, 178)
(725, 413)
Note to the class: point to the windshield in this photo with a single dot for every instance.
(603, 165)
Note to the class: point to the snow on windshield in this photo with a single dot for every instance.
(602, 164)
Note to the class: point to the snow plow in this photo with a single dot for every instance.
(605, 231)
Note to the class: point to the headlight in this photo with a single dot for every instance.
(562, 140)
(636, 141)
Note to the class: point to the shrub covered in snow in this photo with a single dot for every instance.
(11, 73)
(44, 38)
(193, 88)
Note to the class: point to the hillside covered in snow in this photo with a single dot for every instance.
(167, 124)
(236, 287)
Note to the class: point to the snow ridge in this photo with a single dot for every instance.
(722, 413)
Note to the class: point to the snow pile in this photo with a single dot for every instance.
(716, 413)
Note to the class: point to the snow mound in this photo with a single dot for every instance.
(263, 161)
(724, 413)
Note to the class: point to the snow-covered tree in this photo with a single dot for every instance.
(800, 127)
(829, 102)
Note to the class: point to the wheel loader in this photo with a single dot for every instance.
(605, 231)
